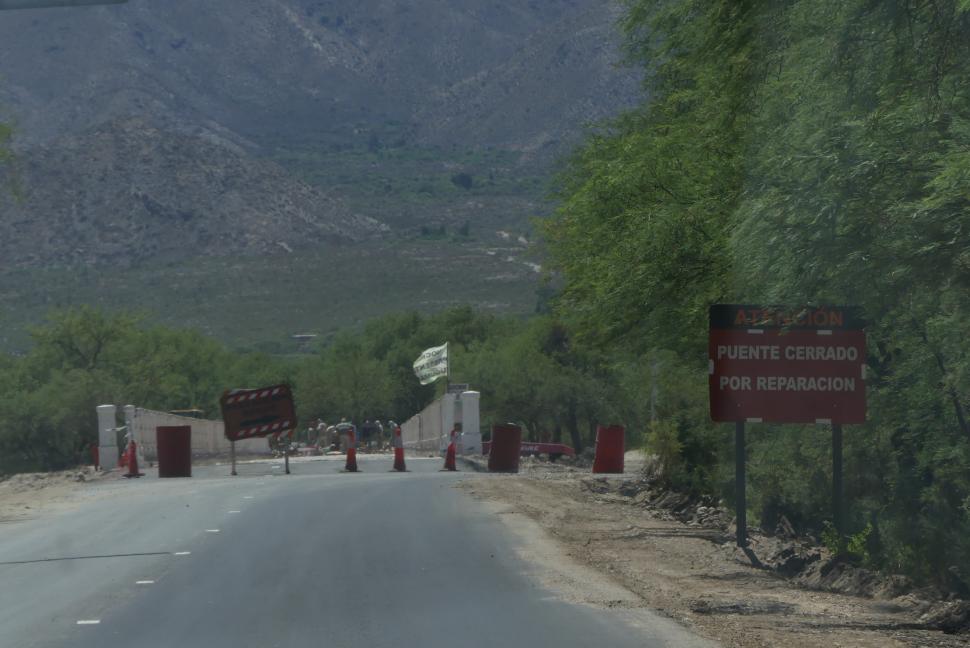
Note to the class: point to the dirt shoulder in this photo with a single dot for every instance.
(26, 496)
(693, 574)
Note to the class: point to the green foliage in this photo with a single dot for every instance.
(6, 132)
(463, 180)
(321, 291)
(800, 152)
(529, 372)
(8, 175)
(662, 440)
(858, 544)
(85, 357)
(831, 539)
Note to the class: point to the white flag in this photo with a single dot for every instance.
(432, 364)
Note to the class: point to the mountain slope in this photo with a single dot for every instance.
(558, 80)
(275, 70)
(166, 149)
(128, 191)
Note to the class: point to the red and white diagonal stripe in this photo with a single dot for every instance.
(273, 428)
(238, 396)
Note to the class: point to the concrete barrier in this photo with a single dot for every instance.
(174, 449)
(506, 444)
(430, 431)
(208, 436)
(609, 449)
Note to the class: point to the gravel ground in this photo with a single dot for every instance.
(691, 573)
(27, 495)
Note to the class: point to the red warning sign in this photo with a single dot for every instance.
(250, 413)
(783, 365)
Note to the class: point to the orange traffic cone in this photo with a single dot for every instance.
(133, 461)
(399, 451)
(450, 454)
(351, 465)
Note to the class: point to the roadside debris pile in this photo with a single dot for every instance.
(663, 504)
(24, 482)
(952, 617)
(582, 460)
(543, 467)
(24, 495)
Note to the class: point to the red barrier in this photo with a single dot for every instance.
(174, 443)
(399, 451)
(133, 461)
(450, 457)
(506, 443)
(609, 449)
(351, 465)
(450, 454)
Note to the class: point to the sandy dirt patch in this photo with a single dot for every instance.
(28, 495)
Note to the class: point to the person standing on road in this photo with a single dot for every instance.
(379, 433)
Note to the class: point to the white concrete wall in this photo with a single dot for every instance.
(430, 431)
(208, 436)
(448, 418)
(423, 433)
(470, 441)
(107, 439)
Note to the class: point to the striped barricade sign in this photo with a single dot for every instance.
(252, 413)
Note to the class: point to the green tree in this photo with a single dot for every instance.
(800, 152)
(345, 382)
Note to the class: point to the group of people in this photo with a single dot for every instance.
(370, 436)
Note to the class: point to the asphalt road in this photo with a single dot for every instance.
(315, 558)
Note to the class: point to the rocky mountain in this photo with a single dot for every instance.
(128, 191)
(561, 78)
(146, 130)
(517, 73)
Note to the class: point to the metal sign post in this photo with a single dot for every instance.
(232, 455)
(837, 485)
(286, 456)
(740, 494)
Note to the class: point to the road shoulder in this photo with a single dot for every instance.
(597, 549)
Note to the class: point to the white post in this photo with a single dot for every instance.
(471, 430)
(107, 442)
(447, 419)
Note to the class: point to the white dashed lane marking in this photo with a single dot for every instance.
(182, 553)
(235, 511)
(145, 582)
(212, 530)
(89, 621)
